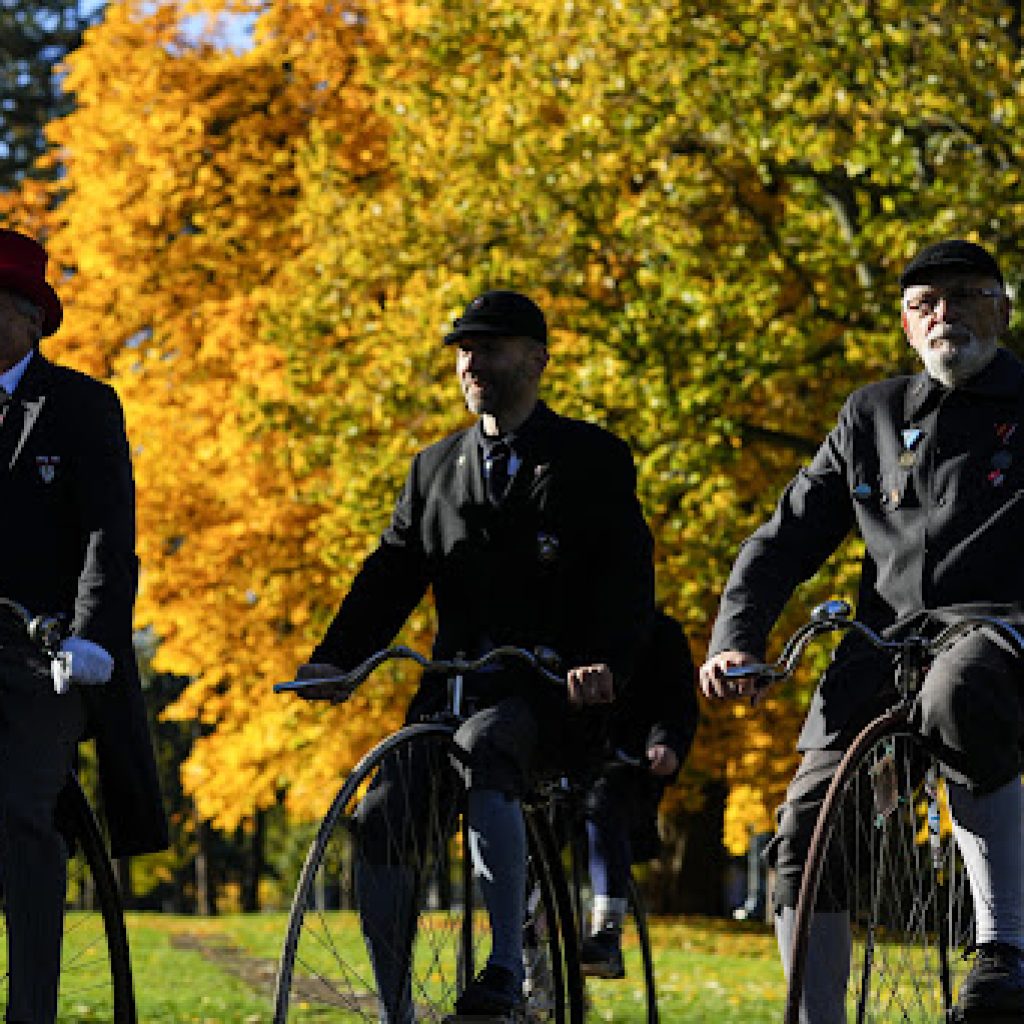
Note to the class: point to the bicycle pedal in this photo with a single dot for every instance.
(957, 1016)
(517, 1016)
(602, 972)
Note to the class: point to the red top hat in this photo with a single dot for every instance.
(23, 270)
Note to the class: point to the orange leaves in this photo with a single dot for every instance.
(178, 215)
(261, 245)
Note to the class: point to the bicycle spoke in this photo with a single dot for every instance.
(878, 864)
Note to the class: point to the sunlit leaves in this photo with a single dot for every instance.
(264, 244)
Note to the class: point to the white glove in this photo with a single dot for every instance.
(85, 662)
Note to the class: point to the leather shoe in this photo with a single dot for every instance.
(601, 955)
(994, 988)
(495, 991)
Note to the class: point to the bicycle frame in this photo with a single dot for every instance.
(913, 655)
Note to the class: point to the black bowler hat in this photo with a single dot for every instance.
(953, 254)
(499, 312)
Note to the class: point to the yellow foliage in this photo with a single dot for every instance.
(262, 245)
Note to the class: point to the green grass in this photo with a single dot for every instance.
(708, 970)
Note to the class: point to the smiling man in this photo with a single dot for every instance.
(527, 529)
(929, 469)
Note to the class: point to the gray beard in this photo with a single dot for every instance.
(953, 367)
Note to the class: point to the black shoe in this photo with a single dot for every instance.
(495, 991)
(994, 988)
(601, 955)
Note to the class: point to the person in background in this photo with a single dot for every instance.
(652, 729)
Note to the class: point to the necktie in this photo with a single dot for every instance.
(496, 466)
(5, 401)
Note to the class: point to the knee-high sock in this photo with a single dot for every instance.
(989, 831)
(497, 839)
(386, 896)
(608, 856)
(828, 964)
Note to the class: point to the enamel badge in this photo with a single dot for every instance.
(47, 466)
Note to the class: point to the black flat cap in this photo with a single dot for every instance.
(503, 313)
(953, 254)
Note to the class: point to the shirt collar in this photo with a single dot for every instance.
(518, 440)
(10, 379)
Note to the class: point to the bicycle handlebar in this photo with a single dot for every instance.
(46, 631)
(542, 660)
(836, 615)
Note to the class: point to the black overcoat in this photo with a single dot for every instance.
(69, 518)
(564, 562)
(932, 479)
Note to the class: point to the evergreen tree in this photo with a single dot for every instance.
(35, 36)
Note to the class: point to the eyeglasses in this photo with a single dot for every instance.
(925, 303)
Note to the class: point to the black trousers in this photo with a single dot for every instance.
(512, 739)
(39, 732)
(495, 748)
(970, 712)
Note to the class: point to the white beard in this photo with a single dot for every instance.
(951, 359)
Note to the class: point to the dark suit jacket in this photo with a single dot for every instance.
(933, 481)
(564, 562)
(69, 517)
(661, 705)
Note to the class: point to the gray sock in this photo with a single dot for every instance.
(607, 912)
(386, 897)
(497, 840)
(989, 832)
(828, 964)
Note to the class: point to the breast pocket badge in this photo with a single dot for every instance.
(547, 547)
(47, 466)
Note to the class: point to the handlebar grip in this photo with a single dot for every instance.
(755, 671)
(343, 683)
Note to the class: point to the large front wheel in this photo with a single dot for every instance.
(387, 923)
(883, 853)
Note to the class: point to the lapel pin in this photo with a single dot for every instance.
(47, 466)
(910, 438)
(547, 547)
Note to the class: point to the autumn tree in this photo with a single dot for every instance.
(263, 245)
(712, 205)
(35, 35)
(175, 220)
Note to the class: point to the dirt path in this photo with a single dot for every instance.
(260, 973)
(257, 972)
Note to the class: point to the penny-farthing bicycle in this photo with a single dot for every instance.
(95, 962)
(326, 972)
(883, 848)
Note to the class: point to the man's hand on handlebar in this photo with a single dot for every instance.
(590, 684)
(662, 759)
(716, 686)
(321, 670)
